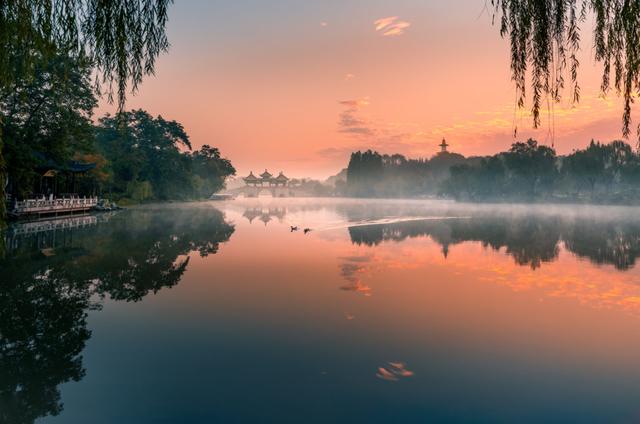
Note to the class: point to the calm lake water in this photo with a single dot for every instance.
(387, 311)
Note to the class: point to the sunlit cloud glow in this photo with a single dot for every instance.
(391, 26)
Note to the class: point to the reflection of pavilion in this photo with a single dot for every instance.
(48, 235)
(264, 215)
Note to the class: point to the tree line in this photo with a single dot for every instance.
(371, 174)
(47, 121)
(528, 171)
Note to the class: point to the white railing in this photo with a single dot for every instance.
(53, 224)
(52, 205)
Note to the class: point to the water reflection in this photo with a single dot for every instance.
(529, 239)
(364, 308)
(53, 273)
(394, 371)
(351, 269)
(264, 215)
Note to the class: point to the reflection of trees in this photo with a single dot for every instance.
(605, 243)
(529, 239)
(47, 287)
(42, 333)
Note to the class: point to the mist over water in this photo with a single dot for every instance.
(405, 311)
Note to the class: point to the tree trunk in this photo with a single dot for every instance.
(3, 183)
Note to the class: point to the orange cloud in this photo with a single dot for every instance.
(391, 26)
(356, 103)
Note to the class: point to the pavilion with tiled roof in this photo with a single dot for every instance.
(266, 179)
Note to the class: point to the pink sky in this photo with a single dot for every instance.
(296, 87)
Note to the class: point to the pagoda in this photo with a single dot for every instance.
(266, 176)
(443, 146)
(251, 180)
(281, 180)
(266, 179)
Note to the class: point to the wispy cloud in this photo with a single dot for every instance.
(348, 77)
(356, 103)
(349, 122)
(391, 26)
(487, 132)
(369, 133)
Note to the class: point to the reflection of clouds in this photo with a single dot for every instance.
(357, 287)
(351, 270)
(393, 371)
(566, 278)
(591, 286)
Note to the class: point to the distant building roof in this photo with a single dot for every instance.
(250, 177)
(265, 175)
(75, 166)
(282, 177)
(443, 146)
(47, 164)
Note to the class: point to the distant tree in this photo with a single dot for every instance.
(531, 166)
(211, 170)
(588, 165)
(364, 171)
(476, 182)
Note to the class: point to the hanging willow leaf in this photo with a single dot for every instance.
(545, 38)
(122, 38)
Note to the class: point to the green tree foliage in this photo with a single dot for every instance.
(46, 118)
(545, 37)
(150, 159)
(588, 166)
(371, 174)
(484, 180)
(120, 38)
(528, 171)
(532, 166)
(209, 171)
(364, 169)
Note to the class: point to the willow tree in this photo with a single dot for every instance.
(545, 38)
(121, 38)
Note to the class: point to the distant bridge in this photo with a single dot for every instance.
(279, 186)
